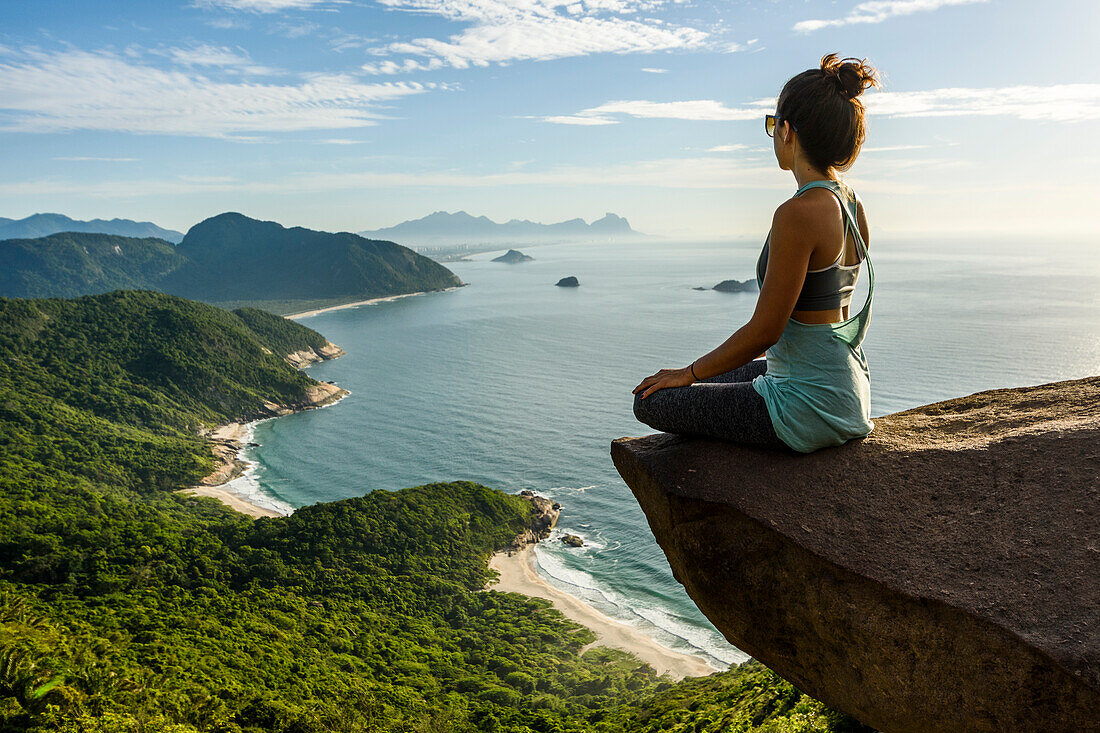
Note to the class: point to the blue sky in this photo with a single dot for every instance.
(358, 114)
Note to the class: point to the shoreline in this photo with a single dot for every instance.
(518, 575)
(371, 301)
(229, 441)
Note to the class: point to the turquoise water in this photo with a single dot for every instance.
(518, 384)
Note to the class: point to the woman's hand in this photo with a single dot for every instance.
(665, 378)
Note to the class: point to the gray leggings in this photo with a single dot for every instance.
(724, 406)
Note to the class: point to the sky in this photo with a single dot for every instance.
(346, 115)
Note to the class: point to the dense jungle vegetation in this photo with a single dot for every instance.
(125, 606)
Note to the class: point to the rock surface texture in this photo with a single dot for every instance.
(942, 574)
(543, 519)
(299, 359)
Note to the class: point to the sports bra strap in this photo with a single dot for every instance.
(849, 214)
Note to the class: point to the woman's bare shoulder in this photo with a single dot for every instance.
(810, 215)
(797, 215)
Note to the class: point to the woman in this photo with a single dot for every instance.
(812, 389)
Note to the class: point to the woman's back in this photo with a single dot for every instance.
(817, 385)
(835, 263)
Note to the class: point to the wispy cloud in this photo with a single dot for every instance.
(695, 109)
(207, 55)
(876, 11)
(691, 173)
(264, 6)
(208, 179)
(580, 119)
(78, 90)
(1056, 103)
(654, 71)
(728, 148)
(299, 29)
(694, 172)
(406, 66)
(218, 56)
(502, 31)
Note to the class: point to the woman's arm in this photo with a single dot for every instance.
(793, 234)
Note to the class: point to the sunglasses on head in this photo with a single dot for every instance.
(770, 123)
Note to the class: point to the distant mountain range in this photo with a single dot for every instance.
(443, 228)
(41, 225)
(229, 260)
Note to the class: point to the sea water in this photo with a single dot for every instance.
(518, 384)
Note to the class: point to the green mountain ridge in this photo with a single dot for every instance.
(228, 260)
(125, 606)
(71, 264)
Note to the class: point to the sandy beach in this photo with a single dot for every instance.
(518, 575)
(227, 442)
(232, 501)
(356, 304)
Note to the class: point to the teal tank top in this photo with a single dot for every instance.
(818, 386)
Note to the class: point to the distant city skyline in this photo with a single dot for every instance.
(350, 115)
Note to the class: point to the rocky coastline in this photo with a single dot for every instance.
(227, 441)
(305, 357)
(545, 517)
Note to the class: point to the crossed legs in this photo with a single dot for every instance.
(724, 406)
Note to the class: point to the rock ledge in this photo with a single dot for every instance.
(942, 574)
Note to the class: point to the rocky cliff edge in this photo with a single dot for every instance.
(942, 574)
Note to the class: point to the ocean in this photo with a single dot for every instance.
(518, 384)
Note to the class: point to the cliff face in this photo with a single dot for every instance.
(942, 574)
(302, 357)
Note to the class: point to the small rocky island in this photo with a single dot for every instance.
(572, 540)
(568, 282)
(513, 257)
(734, 286)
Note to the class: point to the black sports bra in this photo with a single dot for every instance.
(829, 287)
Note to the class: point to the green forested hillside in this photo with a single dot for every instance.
(233, 260)
(229, 260)
(281, 335)
(127, 607)
(72, 264)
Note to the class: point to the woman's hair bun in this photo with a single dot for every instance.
(851, 75)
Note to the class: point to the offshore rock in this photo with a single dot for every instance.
(736, 286)
(513, 257)
(942, 574)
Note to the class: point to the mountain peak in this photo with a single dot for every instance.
(441, 227)
(44, 224)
